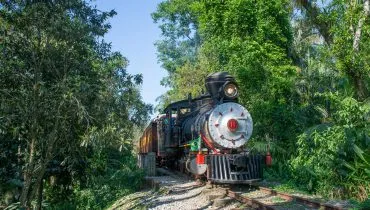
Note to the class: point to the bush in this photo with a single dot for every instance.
(108, 189)
(333, 158)
(110, 175)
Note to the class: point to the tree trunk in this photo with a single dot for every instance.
(28, 176)
(39, 195)
(360, 87)
(357, 35)
(26, 196)
(361, 90)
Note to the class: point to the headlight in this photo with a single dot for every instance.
(230, 90)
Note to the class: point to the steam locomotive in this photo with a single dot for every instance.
(205, 136)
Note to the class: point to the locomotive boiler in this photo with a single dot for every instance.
(205, 136)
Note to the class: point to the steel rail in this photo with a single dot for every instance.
(305, 201)
(260, 205)
(249, 201)
(291, 198)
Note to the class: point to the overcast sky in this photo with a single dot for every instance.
(133, 33)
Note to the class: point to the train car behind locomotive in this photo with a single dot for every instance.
(206, 135)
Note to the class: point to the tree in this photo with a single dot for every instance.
(60, 80)
(342, 26)
(179, 26)
(303, 73)
(248, 38)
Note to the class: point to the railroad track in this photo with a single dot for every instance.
(265, 198)
(257, 197)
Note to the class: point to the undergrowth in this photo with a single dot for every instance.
(107, 179)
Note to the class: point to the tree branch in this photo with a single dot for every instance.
(313, 13)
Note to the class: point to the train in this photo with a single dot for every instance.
(205, 136)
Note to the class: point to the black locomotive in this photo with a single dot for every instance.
(205, 135)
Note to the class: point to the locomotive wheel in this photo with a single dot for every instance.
(194, 168)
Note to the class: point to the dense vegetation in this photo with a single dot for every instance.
(68, 108)
(304, 73)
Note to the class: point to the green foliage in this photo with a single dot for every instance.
(67, 104)
(179, 27)
(350, 31)
(303, 73)
(365, 204)
(108, 179)
(325, 150)
(357, 181)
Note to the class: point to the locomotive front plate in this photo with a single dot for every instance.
(230, 125)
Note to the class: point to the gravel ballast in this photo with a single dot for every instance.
(176, 192)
